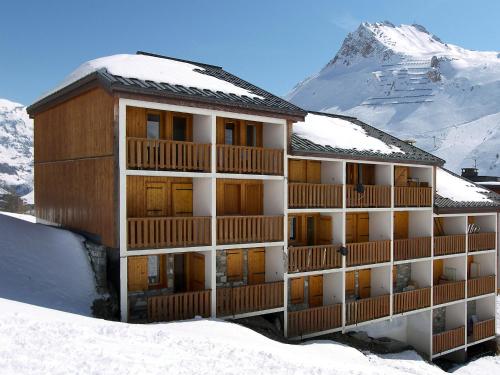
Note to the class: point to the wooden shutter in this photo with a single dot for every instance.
(156, 199)
(182, 199)
(256, 266)
(297, 170)
(316, 291)
(400, 176)
(438, 269)
(438, 226)
(297, 290)
(196, 273)
(137, 273)
(400, 225)
(313, 172)
(234, 265)
(253, 199)
(364, 283)
(368, 172)
(232, 199)
(350, 228)
(220, 130)
(350, 286)
(363, 230)
(351, 173)
(325, 230)
(136, 122)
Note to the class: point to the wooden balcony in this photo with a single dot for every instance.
(372, 252)
(246, 159)
(451, 291)
(481, 241)
(412, 300)
(249, 298)
(367, 309)
(482, 330)
(406, 196)
(316, 319)
(245, 229)
(446, 245)
(179, 306)
(313, 258)
(447, 340)
(301, 195)
(159, 154)
(480, 285)
(412, 248)
(161, 232)
(373, 196)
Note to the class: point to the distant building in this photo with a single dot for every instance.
(489, 182)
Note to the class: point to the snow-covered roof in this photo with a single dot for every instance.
(342, 136)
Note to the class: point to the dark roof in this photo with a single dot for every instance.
(411, 154)
(447, 205)
(269, 103)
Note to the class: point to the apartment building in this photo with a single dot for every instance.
(219, 199)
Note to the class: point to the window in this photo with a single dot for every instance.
(179, 128)
(293, 229)
(153, 126)
(251, 135)
(153, 270)
(229, 133)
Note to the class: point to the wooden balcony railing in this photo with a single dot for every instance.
(446, 245)
(480, 285)
(249, 298)
(312, 258)
(448, 292)
(373, 196)
(412, 300)
(482, 330)
(406, 196)
(246, 159)
(179, 306)
(367, 309)
(447, 340)
(372, 252)
(481, 241)
(159, 154)
(244, 229)
(316, 319)
(412, 248)
(314, 195)
(159, 232)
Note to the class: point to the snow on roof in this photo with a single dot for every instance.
(157, 69)
(340, 133)
(457, 189)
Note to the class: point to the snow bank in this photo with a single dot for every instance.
(44, 266)
(340, 133)
(155, 69)
(455, 188)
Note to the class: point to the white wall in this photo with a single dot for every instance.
(381, 278)
(455, 225)
(274, 264)
(380, 225)
(273, 197)
(202, 129)
(455, 315)
(485, 307)
(208, 269)
(486, 263)
(419, 331)
(458, 263)
(273, 135)
(420, 224)
(424, 174)
(332, 172)
(421, 273)
(383, 174)
(486, 223)
(202, 197)
(333, 288)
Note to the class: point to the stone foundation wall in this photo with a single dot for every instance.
(221, 270)
(403, 277)
(438, 320)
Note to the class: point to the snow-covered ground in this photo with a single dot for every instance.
(35, 340)
(44, 266)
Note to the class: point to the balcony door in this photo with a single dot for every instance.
(400, 225)
(182, 199)
(256, 266)
(357, 227)
(156, 199)
(315, 291)
(189, 272)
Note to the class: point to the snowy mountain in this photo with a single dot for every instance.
(16, 147)
(406, 81)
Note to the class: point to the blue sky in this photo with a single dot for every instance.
(273, 44)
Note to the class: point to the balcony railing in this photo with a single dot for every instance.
(314, 195)
(480, 285)
(160, 232)
(179, 306)
(481, 241)
(447, 340)
(406, 196)
(245, 229)
(312, 258)
(372, 196)
(372, 252)
(246, 159)
(412, 300)
(159, 154)
(451, 291)
(249, 298)
(482, 330)
(316, 319)
(367, 309)
(446, 245)
(412, 248)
